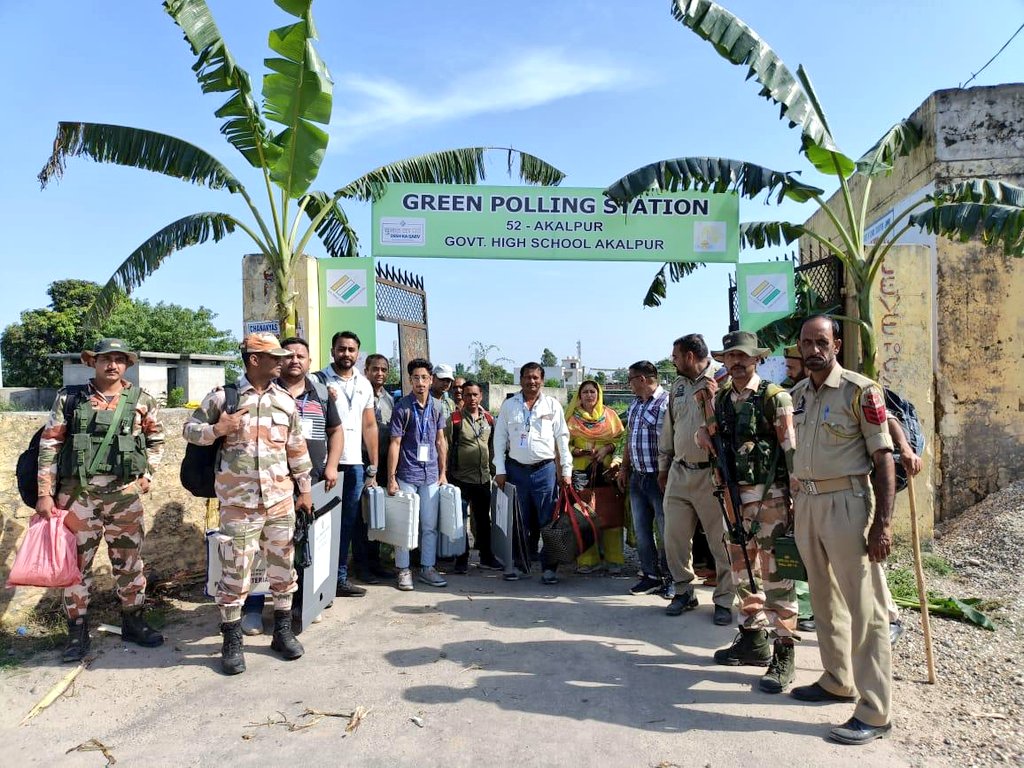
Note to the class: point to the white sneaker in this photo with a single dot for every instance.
(432, 577)
(405, 580)
(252, 623)
(319, 617)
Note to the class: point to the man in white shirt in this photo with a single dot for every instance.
(353, 394)
(530, 435)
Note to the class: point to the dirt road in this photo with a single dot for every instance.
(484, 673)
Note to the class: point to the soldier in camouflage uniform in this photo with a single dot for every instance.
(756, 422)
(100, 482)
(262, 461)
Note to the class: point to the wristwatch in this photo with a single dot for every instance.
(371, 471)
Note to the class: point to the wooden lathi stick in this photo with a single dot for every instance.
(922, 595)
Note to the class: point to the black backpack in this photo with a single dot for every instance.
(906, 414)
(27, 469)
(199, 465)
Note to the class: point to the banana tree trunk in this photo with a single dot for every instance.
(868, 343)
(285, 295)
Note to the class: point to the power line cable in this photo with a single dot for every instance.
(975, 74)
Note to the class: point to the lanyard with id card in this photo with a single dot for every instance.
(524, 438)
(423, 430)
(305, 419)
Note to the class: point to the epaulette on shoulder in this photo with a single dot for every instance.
(859, 379)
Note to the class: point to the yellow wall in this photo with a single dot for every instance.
(903, 327)
(975, 336)
(980, 373)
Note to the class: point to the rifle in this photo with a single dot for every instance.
(726, 490)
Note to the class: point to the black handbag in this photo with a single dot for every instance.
(572, 531)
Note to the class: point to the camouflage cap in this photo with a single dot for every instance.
(106, 347)
(740, 341)
(263, 342)
(792, 352)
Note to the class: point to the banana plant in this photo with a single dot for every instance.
(297, 97)
(977, 208)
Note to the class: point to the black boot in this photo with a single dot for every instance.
(231, 659)
(134, 629)
(750, 648)
(284, 641)
(78, 640)
(781, 670)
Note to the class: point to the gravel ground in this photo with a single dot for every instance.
(974, 715)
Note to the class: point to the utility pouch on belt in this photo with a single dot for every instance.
(788, 564)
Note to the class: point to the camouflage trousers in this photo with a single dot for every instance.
(243, 532)
(111, 514)
(774, 605)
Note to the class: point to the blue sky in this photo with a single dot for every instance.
(597, 88)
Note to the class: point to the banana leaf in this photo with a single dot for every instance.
(952, 608)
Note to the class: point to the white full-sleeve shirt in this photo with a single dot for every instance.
(531, 435)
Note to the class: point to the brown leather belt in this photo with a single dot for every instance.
(691, 465)
(818, 487)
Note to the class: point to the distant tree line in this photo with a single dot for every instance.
(59, 327)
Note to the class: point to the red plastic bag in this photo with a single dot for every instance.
(48, 555)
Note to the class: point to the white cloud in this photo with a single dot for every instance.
(529, 79)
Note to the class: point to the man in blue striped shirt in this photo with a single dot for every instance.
(640, 473)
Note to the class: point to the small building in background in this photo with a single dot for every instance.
(572, 372)
(159, 372)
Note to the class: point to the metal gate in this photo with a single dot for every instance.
(402, 299)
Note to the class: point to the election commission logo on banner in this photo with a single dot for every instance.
(769, 294)
(346, 287)
(765, 291)
(403, 231)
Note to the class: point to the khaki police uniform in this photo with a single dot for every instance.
(838, 428)
(689, 494)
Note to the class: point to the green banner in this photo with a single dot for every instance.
(764, 292)
(575, 223)
(348, 302)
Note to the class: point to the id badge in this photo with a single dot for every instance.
(307, 429)
(524, 440)
(423, 454)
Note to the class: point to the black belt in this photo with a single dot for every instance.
(698, 465)
(535, 465)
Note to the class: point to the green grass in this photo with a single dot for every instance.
(936, 564)
(46, 627)
(902, 583)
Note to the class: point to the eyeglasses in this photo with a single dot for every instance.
(629, 379)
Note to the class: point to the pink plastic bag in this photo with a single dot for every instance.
(48, 555)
